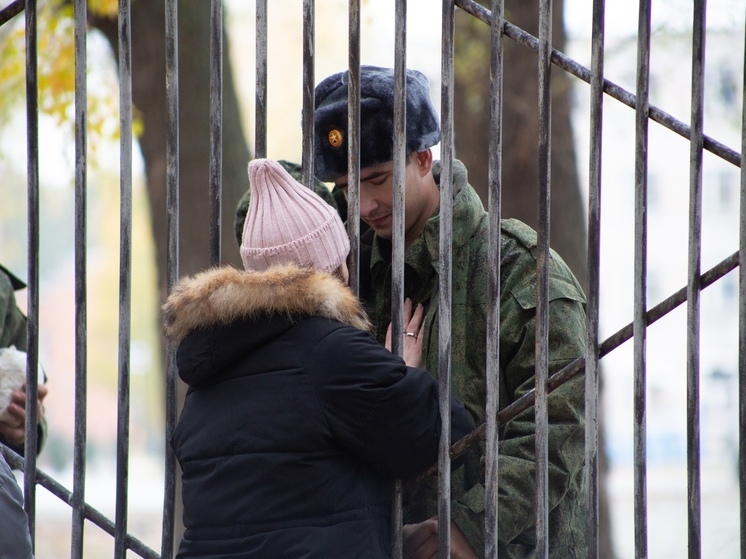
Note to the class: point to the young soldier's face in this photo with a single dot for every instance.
(377, 196)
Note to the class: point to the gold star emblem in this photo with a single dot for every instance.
(335, 137)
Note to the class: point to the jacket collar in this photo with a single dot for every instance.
(220, 296)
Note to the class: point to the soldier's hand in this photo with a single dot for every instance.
(13, 428)
(420, 541)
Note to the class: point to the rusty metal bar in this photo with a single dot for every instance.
(172, 265)
(494, 180)
(11, 10)
(542, 280)
(308, 92)
(742, 327)
(610, 88)
(353, 146)
(81, 283)
(260, 108)
(125, 274)
(216, 129)
(399, 159)
(445, 261)
(32, 351)
(694, 481)
(96, 517)
(397, 237)
(640, 281)
(593, 274)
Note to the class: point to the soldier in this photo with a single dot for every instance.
(516, 502)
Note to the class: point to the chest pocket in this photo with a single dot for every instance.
(560, 287)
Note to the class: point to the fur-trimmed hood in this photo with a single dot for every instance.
(221, 296)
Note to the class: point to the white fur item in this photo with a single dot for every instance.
(12, 376)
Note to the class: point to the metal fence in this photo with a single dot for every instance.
(548, 60)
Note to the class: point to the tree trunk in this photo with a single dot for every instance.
(520, 179)
(149, 99)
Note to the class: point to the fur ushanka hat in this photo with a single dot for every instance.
(376, 120)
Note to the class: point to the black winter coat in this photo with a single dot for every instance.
(296, 421)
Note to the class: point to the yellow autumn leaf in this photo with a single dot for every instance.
(104, 7)
(56, 72)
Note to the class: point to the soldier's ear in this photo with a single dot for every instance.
(424, 160)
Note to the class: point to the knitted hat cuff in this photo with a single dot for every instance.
(324, 248)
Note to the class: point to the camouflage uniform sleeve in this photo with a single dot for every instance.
(13, 333)
(296, 172)
(13, 324)
(516, 490)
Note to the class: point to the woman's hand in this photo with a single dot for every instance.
(414, 322)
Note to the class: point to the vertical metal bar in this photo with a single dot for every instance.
(397, 236)
(742, 325)
(592, 283)
(445, 280)
(32, 357)
(308, 91)
(81, 284)
(353, 146)
(542, 283)
(694, 282)
(172, 263)
(216, 129)
(400, 155)
(125, 273)
(493, 288)
(260, 117)
(642, 109)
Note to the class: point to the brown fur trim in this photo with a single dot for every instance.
(222, 295)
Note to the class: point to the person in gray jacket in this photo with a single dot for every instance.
(15, 540)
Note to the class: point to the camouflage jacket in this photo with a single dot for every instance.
(516, 501)
(516, 449)
(12, 320)
(13, 333)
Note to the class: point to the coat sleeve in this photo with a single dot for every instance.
(565, 405)
(565, 410)
(381, 410)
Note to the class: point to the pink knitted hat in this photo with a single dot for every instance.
(288, 222)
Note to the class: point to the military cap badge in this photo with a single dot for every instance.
(335, 137)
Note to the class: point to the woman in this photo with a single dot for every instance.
(296, 421)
